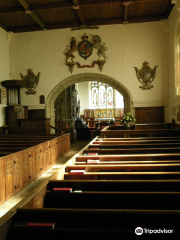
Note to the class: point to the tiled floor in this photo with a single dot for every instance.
(74, 148)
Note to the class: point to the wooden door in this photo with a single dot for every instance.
(37, 161)
(9, 177)
(47, 162)
(18, 179)
(68, 141)
(63, 145)
(51, 160)
(25, 168)
(149, 115)
(60, 139)
(42, 158)
(2, 181)
(38, 200)
(54, 151)
(32, 161)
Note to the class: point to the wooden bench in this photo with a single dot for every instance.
(170, 167)
(123, 172)
(114, 145)
(130, 157)
(123, 175)
(137, 138)
(94, 223)
(132, 200)
(118, 185)
(107, 133)
(26, 158)
(122, 151)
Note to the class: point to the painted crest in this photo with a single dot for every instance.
(145, 75)
(97, 44)
(85, 48)
(31, 80)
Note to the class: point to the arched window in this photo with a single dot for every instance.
(104, 96)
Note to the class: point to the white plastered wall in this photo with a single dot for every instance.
(128, 47)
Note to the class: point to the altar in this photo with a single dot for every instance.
(98, 118)
(105, 119)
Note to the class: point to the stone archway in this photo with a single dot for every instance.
(60, 87)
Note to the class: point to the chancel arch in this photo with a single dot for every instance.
(61, 86)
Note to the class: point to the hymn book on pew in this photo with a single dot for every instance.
(34, 224)
(92, 153)
(41, 224)
(92, 161)
(78, 191)
(63, 190)
(77, 171)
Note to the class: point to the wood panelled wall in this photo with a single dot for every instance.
(19, 169)
(149, 115)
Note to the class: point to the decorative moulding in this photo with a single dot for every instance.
(38, 106)
(150, 103)
(13, 84)
(3, 105)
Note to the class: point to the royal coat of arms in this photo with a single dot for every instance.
(145, 76)
(31, 80)
(85, 47)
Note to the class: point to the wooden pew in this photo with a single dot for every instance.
(118, 185)
(94, 223)
(114, 145)
(123, 175)
(143, 139)
(130, 151)
(113, 200)
(122, 172)
(119, 194)
(97, 162)
(25, 159)
(130, 157)
(170, 167)
(107, 133)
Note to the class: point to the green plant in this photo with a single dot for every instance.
(128, 117)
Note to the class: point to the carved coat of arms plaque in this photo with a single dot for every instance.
(145, 75)
(31, 81)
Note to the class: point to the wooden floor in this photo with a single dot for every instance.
(43, 180)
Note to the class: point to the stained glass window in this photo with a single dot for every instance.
(102, 95)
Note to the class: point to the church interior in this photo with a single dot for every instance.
(89, 118)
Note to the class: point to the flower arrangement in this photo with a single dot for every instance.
(128, 118)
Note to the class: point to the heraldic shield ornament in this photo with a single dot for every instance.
(146, 76)
(31, 80)
(85, 47)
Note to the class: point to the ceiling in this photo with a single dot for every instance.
(34, 15)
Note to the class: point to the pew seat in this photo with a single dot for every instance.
(117, 185)
(90, 223)
(130, 157)
(131, 151)
(113, 200)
